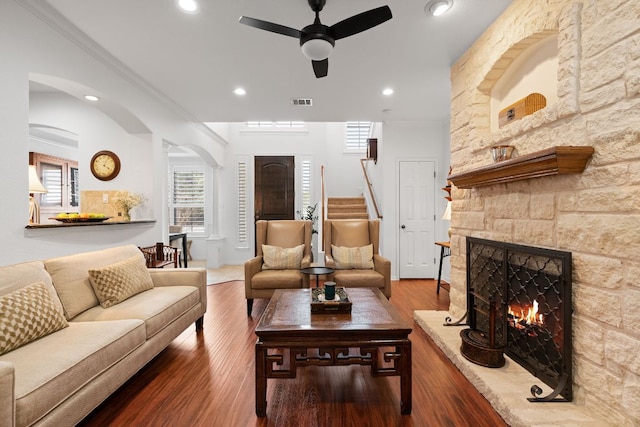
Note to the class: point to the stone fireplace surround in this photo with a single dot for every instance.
(593, 215)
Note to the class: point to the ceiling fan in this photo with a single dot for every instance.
(317, 40)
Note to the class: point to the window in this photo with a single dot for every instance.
(306, 183)
(187, 199)
(275, 125)
(60, 178)
(243, 219)
(356, 136)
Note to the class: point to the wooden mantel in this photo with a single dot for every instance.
(552, 161)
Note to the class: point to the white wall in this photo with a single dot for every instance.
(31, 47)
(413, 141)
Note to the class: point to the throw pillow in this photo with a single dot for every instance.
(117, 282)
(277, 258)
(353, 258)
(27, 314)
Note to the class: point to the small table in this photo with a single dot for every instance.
(445, 251)
(318, 271)
(176, 236)
(290, 336)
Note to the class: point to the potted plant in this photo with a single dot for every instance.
(309, 214)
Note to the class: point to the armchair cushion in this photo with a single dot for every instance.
(117, 282)
(28, 313)
(277, 279)
(353, 258)
(277, 258)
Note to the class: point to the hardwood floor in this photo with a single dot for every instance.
(207, 379)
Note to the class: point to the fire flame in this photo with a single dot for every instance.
(527, 316)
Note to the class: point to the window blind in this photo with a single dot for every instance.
(187, 199)
(357, 134)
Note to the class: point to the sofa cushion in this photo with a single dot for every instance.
(277, 258)
(277, 279)
(51, 369)
(28, 314)
(157, 307)
(349, 258)
(70, 275)
(117, 282)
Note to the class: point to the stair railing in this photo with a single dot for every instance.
(370, 187)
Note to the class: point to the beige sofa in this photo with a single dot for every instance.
(60, 378)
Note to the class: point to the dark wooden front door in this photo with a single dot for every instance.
(274, 187)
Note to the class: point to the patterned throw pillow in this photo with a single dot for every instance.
(277, 258)
(348, 258)
(27, 314)
(117, 282)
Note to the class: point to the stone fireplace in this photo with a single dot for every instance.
(594, 214)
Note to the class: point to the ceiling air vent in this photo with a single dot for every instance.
(303, 102)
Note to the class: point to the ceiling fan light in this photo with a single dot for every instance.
(438, 7)
(317, 49)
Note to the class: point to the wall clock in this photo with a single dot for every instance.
(105, 165)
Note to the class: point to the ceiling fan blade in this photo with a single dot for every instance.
(270, 26)
(320, 68)
(361, 22)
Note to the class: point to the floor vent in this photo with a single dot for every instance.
(304, 102)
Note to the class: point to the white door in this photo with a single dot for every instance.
(417, 220)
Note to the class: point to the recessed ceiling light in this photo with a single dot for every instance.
(189, 6)
(387, 92)
(239, 91)
(438, 7)
(91, 98)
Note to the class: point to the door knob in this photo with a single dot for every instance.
(403, 226)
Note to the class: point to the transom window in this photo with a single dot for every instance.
(275, 125)
(356, 135)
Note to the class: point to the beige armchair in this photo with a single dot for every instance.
(352, 238)
(278, 267)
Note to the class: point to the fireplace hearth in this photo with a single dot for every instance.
(519, 304)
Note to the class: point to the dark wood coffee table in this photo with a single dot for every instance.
(373, 334)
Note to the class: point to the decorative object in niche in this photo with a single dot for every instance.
(527, 105)
(501, 152)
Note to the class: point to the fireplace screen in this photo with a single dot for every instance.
(519, 301)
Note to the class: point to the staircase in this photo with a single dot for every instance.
(346, 208)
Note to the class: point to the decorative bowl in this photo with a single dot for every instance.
(501, 152)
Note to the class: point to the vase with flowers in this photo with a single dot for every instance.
(126, 201)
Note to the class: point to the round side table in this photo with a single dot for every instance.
(317, 271)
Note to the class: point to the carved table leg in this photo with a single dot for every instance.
(261, 380)
(405, 379)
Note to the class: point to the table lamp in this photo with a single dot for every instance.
(35, 186)
(447, 216)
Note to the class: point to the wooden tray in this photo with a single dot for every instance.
(341, 304)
